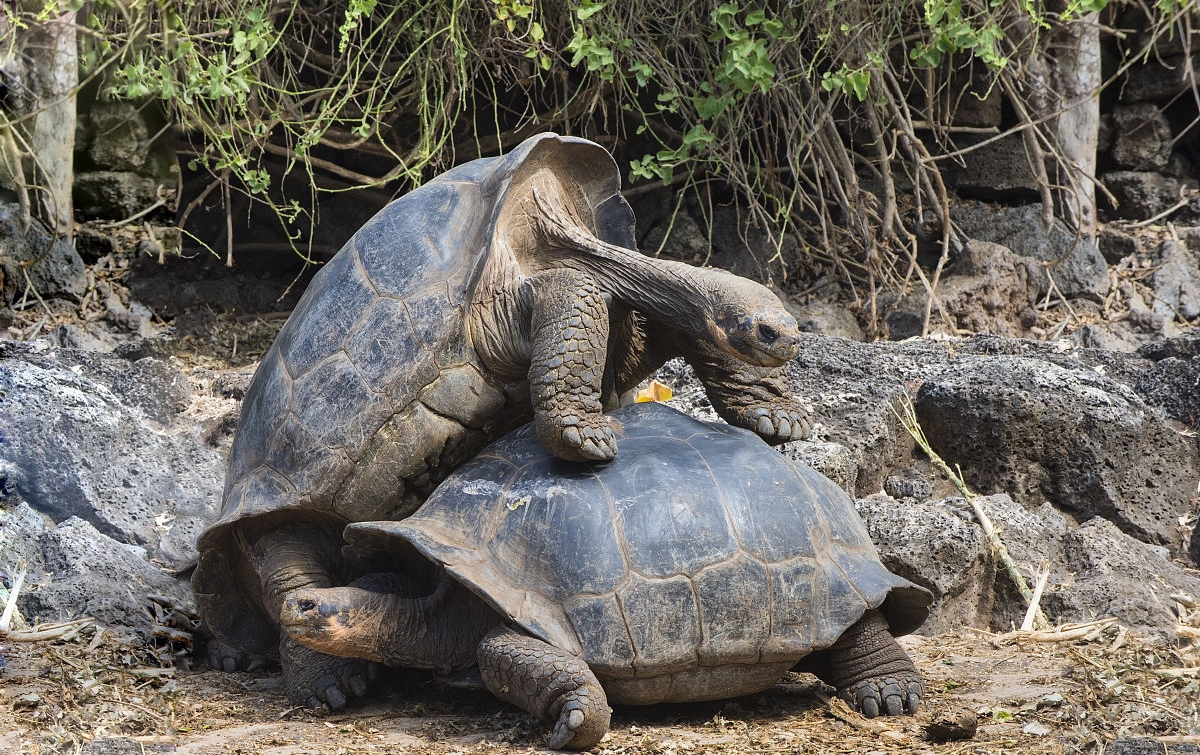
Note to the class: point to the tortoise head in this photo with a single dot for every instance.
(332, 620)
(749, 322)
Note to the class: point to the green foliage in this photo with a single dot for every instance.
(952, 30)
(792, 103)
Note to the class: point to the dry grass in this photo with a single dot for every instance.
(1027, 696)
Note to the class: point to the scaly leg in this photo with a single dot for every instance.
(871, 671)
(550, 683)
(568, 348)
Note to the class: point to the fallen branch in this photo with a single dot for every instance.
(908, 418)
(59, 631)
(1065, 633)
(841, 711)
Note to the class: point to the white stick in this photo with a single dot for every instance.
(1035, 601)
(11, 606)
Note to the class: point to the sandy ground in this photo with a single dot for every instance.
(100, 695)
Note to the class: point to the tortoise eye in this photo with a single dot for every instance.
(767, 333)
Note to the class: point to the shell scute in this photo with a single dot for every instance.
(263, 412)
(306, 461)
(731, 612)
(388, 354)
(434, 233)
(340, 408)
(666, 632)
(323, 318)
(681, 533)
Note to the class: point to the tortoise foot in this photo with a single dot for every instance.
(580, 724)
(229, 658)
(885, 695)
(313, 679)
(777, 423)
(550, 683)
(578, 438)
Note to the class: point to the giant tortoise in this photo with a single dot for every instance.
(505, 289)
(699, 564)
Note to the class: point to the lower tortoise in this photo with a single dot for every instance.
(700, 564)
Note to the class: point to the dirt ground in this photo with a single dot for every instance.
(101, 695)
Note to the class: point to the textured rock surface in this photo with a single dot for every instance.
(75, 440)
(1078, 268)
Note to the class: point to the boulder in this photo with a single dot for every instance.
(987, 289)
(85, 435)
(1141, 195)
(1036, 421)
(1176, 281)
(1141, 137)
(1076, 264)
(34, 258)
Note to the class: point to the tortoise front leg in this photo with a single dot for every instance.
(549, 682)
(568, 348)
(756, 398)
(294, 556)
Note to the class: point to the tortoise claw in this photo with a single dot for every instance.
(780, 424)
(229, 658)
(887, 695)
(575, 438)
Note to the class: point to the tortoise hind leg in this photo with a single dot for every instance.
(870, 670)
(550, 683)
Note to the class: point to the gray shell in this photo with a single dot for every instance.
(372, 390)
(699, 545)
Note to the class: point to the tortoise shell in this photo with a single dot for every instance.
(698, 546)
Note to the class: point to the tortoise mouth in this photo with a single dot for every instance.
(304, 620)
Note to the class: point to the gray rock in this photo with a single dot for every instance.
(81, 572)
(1148, 746)
(999, 172)
(78, 450)
(1142, 137)
(1036, 421)
(1115, 244)
(124, 746)
(113, 194)
(53, 267)
(932, 544)
(1176, 281)
(1040, 431)
(117, 137)
(156, 388)
(1141, 195)
(1078, 268)
(833, 460)
(1116, 575)
(987, 289)
(1095, 570)
(825, 318)
(1159, 80)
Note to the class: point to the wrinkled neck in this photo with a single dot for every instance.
(672, 292)
(440, 631)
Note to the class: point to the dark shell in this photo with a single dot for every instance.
(373, 376)
(698, 545)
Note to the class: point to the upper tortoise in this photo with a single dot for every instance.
(506, 289)
(700, 564)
